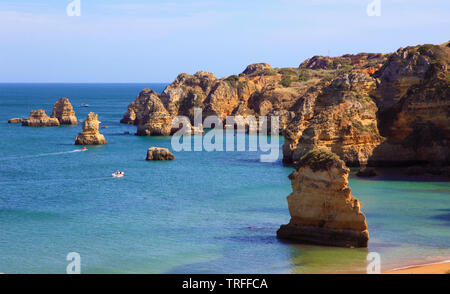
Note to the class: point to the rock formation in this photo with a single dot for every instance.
(370, 109)
(413, 99)
(38, 118)
(90, 134)
(156, 153)
(396, 115)
(14, 120)
(348, 60)
(259, 91)
(322, 208)
(340, 118)
(63, 111)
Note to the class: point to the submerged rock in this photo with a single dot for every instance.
(63, 111)
(38, 118)
(156, 153)
(322, 208)
(90, 134)
(14, 120)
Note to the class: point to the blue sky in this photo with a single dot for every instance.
(153, 41)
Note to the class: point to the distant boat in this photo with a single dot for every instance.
(118, 174)
(84, 105)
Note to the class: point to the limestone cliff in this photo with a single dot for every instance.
(394, 115)
(413, 98)
(90, 134)
(259, 91)
(322, 208)
(368, 108)
(38, 118)
(340, 118)
(63, 111)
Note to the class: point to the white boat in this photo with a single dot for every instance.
(119, 175)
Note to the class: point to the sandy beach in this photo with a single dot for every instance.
(435, 268)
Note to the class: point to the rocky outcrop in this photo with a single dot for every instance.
(63, 111)
(156, 153)
(256, 68)
(259, 91)
(340, 118)
(322, 208)
(370, 109)
(14, 120)
(413, 98)
(90, 134)
(395, 115)
(348, 60)
(38, 118)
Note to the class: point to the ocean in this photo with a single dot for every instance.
(204, 212)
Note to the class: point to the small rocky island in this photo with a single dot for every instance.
(156, 153)
(63, 111)
(90, 134)
(15, 120)
(62, 114)
(38, 118)
(323, 210)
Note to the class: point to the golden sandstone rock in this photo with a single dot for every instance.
(14, 120)
(322, 208)
(370, 109)
(38, 118)
(63, 111)
(90, 134)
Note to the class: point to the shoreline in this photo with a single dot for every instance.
(439, 267)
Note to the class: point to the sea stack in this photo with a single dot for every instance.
(156, 153)
(90, 134)
(38, 118)
(63, 111)
(322, 208)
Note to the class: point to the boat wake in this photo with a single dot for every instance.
(42, 155)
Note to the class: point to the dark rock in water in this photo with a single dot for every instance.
(14, 120)
(366, 172)
(322, 208)
(156, 153)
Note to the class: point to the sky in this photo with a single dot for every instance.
(155, 40)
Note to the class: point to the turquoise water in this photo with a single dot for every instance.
(205, 212)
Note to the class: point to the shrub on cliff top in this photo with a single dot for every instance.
(319, 160)
(286, 81)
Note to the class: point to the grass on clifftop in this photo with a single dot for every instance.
(319, 160)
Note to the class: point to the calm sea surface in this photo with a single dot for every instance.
(205, 212)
